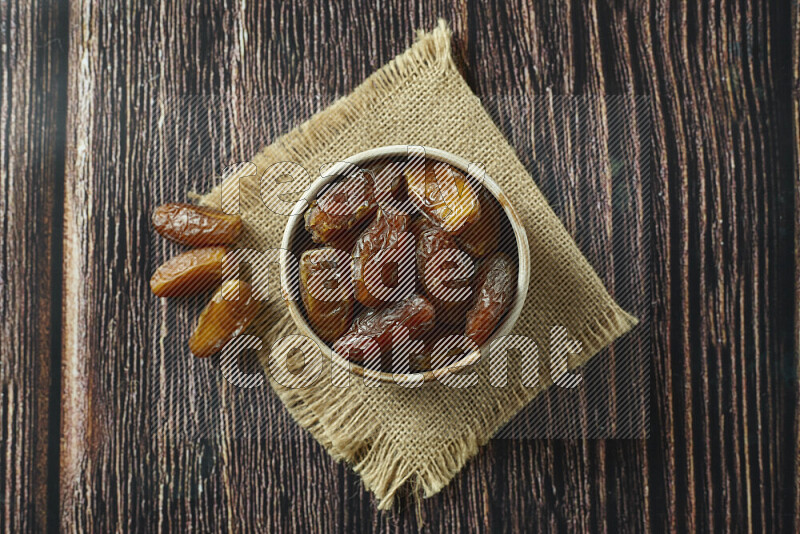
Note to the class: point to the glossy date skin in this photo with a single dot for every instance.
(453, 222)
(444, 195)
(480, 237)
(432, 239)
(495, 288)
(415, 313)
(189, 273)
(222, 319)
(387, 231)
(196, 226)
(330, 316)
(341, 207)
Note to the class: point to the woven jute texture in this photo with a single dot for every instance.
(419, 438)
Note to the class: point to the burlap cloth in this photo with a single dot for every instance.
(420, 438)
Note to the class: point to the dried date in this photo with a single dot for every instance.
(495, 288)
(445, 272)
(222, 319)
(326, 291)
(196, 226)
(189, 273)
(374, 327)
(388, 232)
(341, 207)
(443, 194)
(481, 236)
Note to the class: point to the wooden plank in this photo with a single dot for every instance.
(722, 447)
(795, 98)
(32, 104)
(721, 200)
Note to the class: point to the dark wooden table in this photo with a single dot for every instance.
(82, 80)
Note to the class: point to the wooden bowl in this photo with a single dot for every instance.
(296, 224)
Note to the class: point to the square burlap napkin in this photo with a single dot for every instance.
(391, 435)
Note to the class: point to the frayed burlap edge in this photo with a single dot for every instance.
(373, 456)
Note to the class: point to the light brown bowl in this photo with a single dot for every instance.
(296, 223)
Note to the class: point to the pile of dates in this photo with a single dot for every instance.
(397, 259)
(402, 257)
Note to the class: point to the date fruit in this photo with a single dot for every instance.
(443, 194)
(223, 319)
(375, 326)
(496, 283)
(329, 304)
(196, 226)
(391, 191)
(341, 207)
(452, 279)
(481, 236)
(189, 273)
(387, 231)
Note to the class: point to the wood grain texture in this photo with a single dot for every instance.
(795, 88)
(32, 105)
(723, 447)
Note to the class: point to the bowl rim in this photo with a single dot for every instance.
(523, 268)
